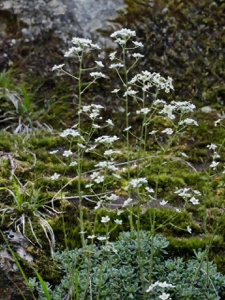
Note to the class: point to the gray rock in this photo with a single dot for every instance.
(32, 32)
(65, 18)
(11, 279)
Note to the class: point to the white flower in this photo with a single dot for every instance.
(115, 66)
(81, 145)
(189, 229)
(165, 284)
(168, 131)
(112, 197)
(70, 131)
(97, 74)
(163, 202)
(168, 110)
(150, 288)
(183, 192)
(118, 222)
(84, 43)
(72, 51)
(183, 154)
(138, 44)
(98, 204)
(110, 122)
(53, 152)
(67, 153)
(88, 185)
(129, 92)
(55, 176)
(162, 285)
(124, 33)
(217, 122)
(153, 132)
(105, 219)
(188, 121)
(119, 212)
(56, 67)
(184, 106)
(99, 63)
(194, 201)
(137, 55)
(143, 111)
(112, 55)
(127, 202)
(164, 296)
(81, 41)
(91, 148)
(214, 164)
(102, 238)
(120, 41)
(106, 139)
(158, 102)
(149, 190)
(73, 163)
(196, 192)
(137, 182)
(94, 175)
(96, 126)
(99, 179)
(211, 147)
(115, 91)
(91, 236)
(127, 129)
(109, 152)
(107, 164)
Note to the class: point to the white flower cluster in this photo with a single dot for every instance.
(93, 110)
(107, 165)
(136, 183)
(181, 107)
(110, 152)
(189, 194)
(97, 178)
(106, 139)
(215, 155)
(124, 33)
(143, 111)
(70, 131)
(116, 66)
(130, 92)
(80, 45)
(162, 285)
(148, 80)
(184, 106)
(97, 75)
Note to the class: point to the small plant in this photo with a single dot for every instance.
(116, 271)
(136, 265)
(18, 112)
(25, 211)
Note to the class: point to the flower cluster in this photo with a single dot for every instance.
(136, 183)
(162, 285)
(189, 194)
(215, 156)
(146, 80)
(80, 45)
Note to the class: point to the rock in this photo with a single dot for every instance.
(64, 17)
(11, 279)
(34, 30)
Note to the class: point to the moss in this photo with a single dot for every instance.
(184, 246)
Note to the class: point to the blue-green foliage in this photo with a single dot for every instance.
(121, 270)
